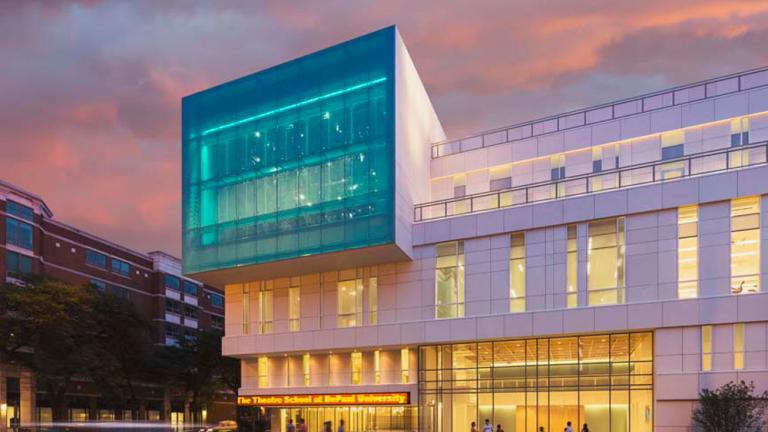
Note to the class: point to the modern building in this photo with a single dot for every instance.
(33, 242)
(599, 266)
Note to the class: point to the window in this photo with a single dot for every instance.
(294, 305)
(265, 307)
(171, 282)
(404, 365)
(572, 272)
(449, 280)
(263, 372)
(377, 367)
(373, 301)
(172, 335)
(517, 273)
(501, 178)
(672, 144)
(18, 233)
(190, 288)
(217, 300)
(745, 245)
(17, 265)
(349, 294)
(706, 348)
(246, 312)
(605, 262)
(357, 367)
(460, 190)
(305, 369)
(687, 252)
(597, 159)
(18, 210)
(557, 165)
(121, 267)
(119, 291)
(217, 321)
(172, 306)
(99, 285)
(190, 311)
(739, 132)
(95, 259)
(738, 346)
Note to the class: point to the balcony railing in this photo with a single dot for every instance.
(649, 102)
(622, 177)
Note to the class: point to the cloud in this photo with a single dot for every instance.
(90, 91)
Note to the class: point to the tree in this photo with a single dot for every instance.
(731, 408)
(43, 324)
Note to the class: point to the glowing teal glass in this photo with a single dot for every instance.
(291, 161)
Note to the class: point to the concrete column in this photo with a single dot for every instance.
(27, 397)
(166, 407)
(187, 418)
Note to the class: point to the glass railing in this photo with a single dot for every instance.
(633, 175)
(640, 104)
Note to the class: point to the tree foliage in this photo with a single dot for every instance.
(64, 333)
(731, 408)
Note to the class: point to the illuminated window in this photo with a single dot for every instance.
(294, 305)
(605, 265)
(738, 346)
(597, 159)
(706, 348)
(263, 372)
(265, 307)
(745, 245)
(557, 172)
(246, 307)
(349, 293)
(672, 144)
(305, 369)
(517, 273)
(501, 178)
(572, 269)
(449, 280)
(357, 367)
(739, 137)
(687, 252)
(460, 190)
(377, 367)
(404, 365)
(373, 300)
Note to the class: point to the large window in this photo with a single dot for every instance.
(449, 280)
(266, 292)
(305, 368)
(377, 367)
(373, 297)
(517, 273)
(246, 308)
(572, 269)
(95, 259)
(294, 305)
(263, 371)
(18, 210)
(605, 267)
(745, 245)
(738, 346)
(350, 302)
(18, 233)
(190, 289)
(121, 267)
(171, 282)
(604, 380)
(217, 300)
(17, 265)
(405, 365)
(687, 252)
(356, 366)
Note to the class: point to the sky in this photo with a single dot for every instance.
(90, 91)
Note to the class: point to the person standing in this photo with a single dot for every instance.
(585, 428)
(568, 427)
(498, 428)
(487, 427)
(541, 428)
(290, 427)
(473, 428)
(341, 426)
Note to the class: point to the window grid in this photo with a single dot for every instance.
(265, 307)
(356, 359)
(687, 252)
(745, 245)
(517, 272)
(449, 280)
(572, 268)
(605, 266)
(294, 306)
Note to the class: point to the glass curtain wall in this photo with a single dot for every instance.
(603, 380)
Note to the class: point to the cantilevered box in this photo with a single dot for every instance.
(307, 166)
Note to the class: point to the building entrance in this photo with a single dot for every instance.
(356, 418)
